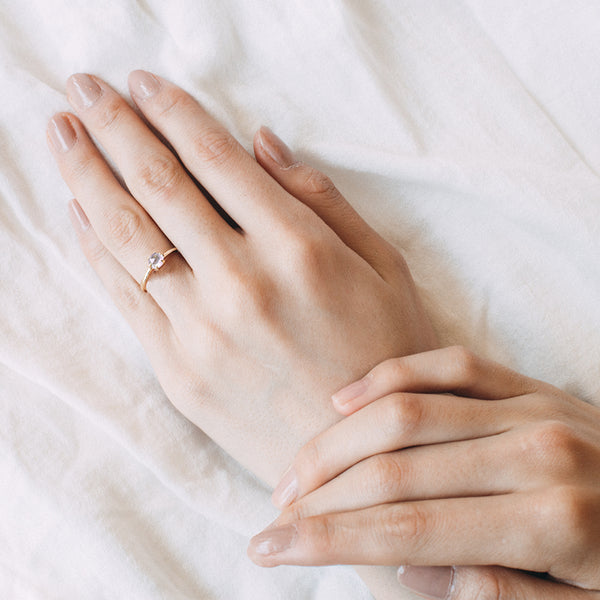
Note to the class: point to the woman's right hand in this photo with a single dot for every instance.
(249, 329)
(447, 458)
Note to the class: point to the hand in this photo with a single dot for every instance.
(249, 328)
(507, 473)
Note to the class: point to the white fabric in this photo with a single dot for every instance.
(466, 132)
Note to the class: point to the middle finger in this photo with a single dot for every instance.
(152, 173)
(401, 421)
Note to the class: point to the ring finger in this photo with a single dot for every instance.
(121, 224)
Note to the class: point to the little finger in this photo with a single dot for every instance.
(459, 531)
(140, 310)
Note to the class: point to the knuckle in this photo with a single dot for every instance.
(308, 259)
(555, 447)
(466, 364)
(107, 116)
(186, 385)
(320, 535)
(123, 226)
(405, 524)
(246, 294)
(259, 301)
(80, 166)
(550, 405)
(501, 589)
(159, 176)
(310, 454)
(490, 588)
(318, 184)
(95, 250)
(385, 474)
(486, 583)
(308, 251)
(404, 415)
(395, 373)
(172, 100)
(215, 146)
(397, 261)
(187, 392)
(127, 296)
(216, 344)
(296, 512)
(573, 513)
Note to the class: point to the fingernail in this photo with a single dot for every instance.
(61, 133)
(143, 84)
(351, 392)
(80, 218)
(82, 91)
(275, 148)
(434, 583)
(287, 489)
(274, 541)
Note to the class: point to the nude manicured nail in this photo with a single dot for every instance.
(143, 84)
(82, 91)
(275, 148)
(274, 541)
(351, 392)
(287, 489)
(80, 218)
(434, 583)
(61, 133)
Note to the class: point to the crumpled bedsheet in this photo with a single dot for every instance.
(466, 132)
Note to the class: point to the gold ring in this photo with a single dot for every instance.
(155, 262)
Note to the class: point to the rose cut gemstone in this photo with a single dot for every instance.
(156, 261)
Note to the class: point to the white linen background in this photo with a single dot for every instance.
(466, 132)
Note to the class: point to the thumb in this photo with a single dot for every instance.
(318, 192)
(485, 583)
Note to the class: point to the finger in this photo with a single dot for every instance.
(463, 531)
(211, 153)
(533, 456)
(495, 583)
(140, 310)
(318, 192)
(401, 421)
(480, 467)
(152, 173)
(122, 225)
(453, 370)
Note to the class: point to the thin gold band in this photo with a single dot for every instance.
(155, 262)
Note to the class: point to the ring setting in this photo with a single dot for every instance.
(155, 261)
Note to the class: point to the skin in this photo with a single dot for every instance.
(504, 472)
(249, 328)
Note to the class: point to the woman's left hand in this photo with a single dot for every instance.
(506, 472)
(248, 323)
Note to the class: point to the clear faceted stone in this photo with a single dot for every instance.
(156, 261)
